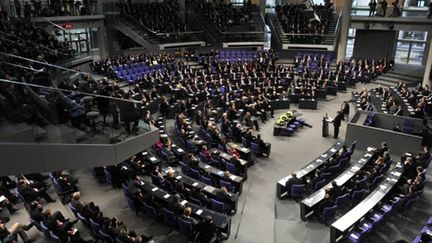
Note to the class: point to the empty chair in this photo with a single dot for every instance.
(195, 174)
(357, 196)
(218, 206)
(328, 213)
(245, 142)
(207, 180)
(45, 231)
(184, 167)
(83, 220)
(108, 177)
(195, 201)
(297, 191)
(169, 217)
(231, 168)
(320, 184)
(341, 200)
(95, 229)
(409, 203)
(376, 181)
(185, 227)
(255, 148)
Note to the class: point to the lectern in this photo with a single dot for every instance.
(325, 125)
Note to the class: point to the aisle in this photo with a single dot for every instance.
(258, 221)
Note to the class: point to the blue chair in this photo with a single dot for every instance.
(203, 157)
(207, 180)
(227, 185)
(320, 184)
(297, 191)
(54, 238)
(357, 235)
(341, 200)
(108, 177)
(231, 168)
(326, 175)
(74, 210)
(95, 229)
(328, 213)
(215, 163)
(106, 237)
(376, 180)
(126, 189)
(409, 203)
(255, 148)
(245, 142)
(184, 167)
(195, 201)
(195, 174)
(151, 211)
(218, 206)
(83, 220)
(45, 231)
(169, 217)
(185, 227)
(357, 196)
(158, 181)
(353, 146)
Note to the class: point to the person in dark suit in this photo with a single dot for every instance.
(335, 190)
(326, 202)
(30, 194)
(345, 109)
(128, 114)
(187, 216)
(294, 180)
(207, 230)
(337, 123)
(372, 7)
(384, 7)
(175, 205)
(198, 194)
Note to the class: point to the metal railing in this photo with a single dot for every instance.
(407, 11)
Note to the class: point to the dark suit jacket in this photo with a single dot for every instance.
(337, 120)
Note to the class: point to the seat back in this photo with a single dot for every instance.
(184, 167)
(150, 211)
(195, 173)
(95, 228)
(218, 206)
(255, 148)
(74, 210)
(185, 227)
(106, 237)
(108, 176)
(83, 219)
(126, 189)
(410, 203)
(226, 184)
(54, 238)
(297, 190)
(353, 146)
(320, 184)
(203, 157)
(357, 196)
(37, 225)
(329, 212)
(231, 167)
(207, 180)
(342, 199)
(376, 181)
(195, 201)
(45, 231)
(169, 217)
(245, 142)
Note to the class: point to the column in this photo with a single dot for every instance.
(344, 27)
(428, 58)
(102, 41)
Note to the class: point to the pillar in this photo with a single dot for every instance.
(102, 41)
(343, 34)
(428, 58)
(182, 12)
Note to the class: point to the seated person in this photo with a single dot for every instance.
(175, 205)
(10, 235)
(334, 191)
(87, 210)
(207, 230)
(176, 184)
(223, 196)
(31, 192)
(187, 216)
(294, 180)
(199, 195)
(129, 236)
(326, 202)
(263, 146)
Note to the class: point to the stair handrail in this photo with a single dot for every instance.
(308, 34)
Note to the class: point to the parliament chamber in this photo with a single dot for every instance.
(205, 121)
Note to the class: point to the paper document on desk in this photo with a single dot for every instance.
(332, 150)
(195, 184)
(199, 212)
(153, 159)
(232, 177)
(179, 177)
(396, 173)
(183, 202)
(180, 150)
(324, 155)
(155, 189)
(167, 196)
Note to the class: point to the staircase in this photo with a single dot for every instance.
(136, 32)
(211, 32)
(392, 77)
(330, 39)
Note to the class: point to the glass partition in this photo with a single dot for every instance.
(410, 47)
